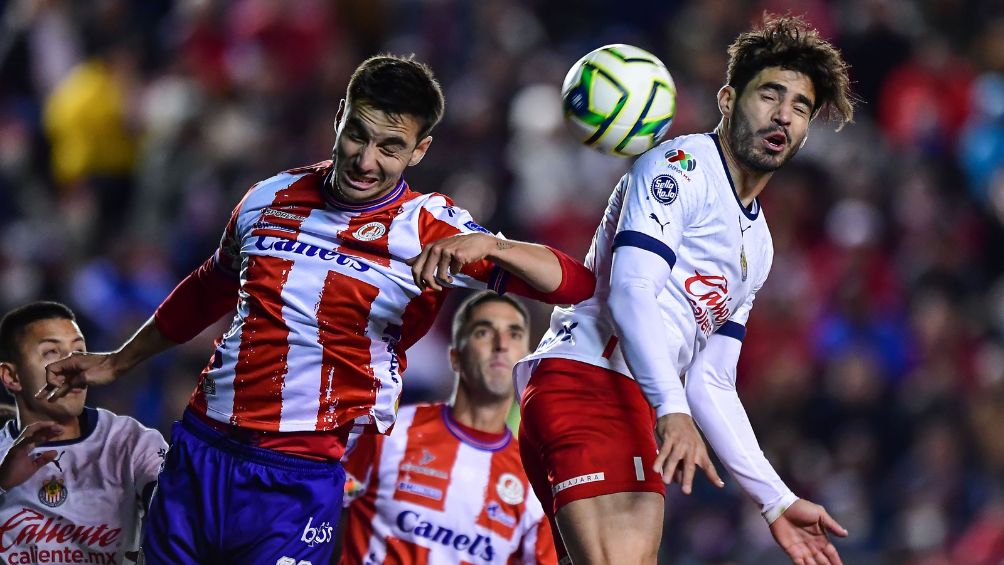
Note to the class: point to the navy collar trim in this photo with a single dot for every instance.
(88, 422)
(367, 206)
(753, 212)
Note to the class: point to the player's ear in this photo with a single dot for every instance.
(726, 100)
(419, 152)
(9, 378)
(454, 359)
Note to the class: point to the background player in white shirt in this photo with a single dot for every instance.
(447, 486)
(75, 480)
(679, 255)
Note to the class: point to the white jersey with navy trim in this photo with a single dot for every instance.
(678, 202)
(87, 505)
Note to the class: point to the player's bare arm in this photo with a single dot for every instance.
(435, 266)
(81, 369)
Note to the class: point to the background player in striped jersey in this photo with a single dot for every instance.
(74, 481)
(447, 486)
(316, 260)
(680, 253)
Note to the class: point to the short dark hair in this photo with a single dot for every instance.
(399, 85)
(14, 323)
(463, 315)
(791, 43)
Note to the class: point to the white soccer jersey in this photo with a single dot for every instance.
(430, 493)
(678, 202)
(327, 304)
(86, 506)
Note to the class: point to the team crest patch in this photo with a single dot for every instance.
(370, 231)
(665, 189)
(510, 489)
(53, 492)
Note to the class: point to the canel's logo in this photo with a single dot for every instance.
(478, 546)
(322, 533)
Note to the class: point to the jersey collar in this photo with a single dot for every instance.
(367, 206)
(88, 421)
(753, 212)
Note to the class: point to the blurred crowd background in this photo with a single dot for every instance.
(873, 369)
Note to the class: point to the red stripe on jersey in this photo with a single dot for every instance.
(367, 236)
(348, 387)
(505, 497)
(402, 552)
(261, 361)
(363, 461)
(423, 476)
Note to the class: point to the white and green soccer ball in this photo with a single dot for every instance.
(619, 99)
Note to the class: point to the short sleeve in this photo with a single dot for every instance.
(147, 456)
(659, 204)
(440, 218)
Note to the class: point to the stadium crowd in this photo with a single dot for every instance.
(873, 369)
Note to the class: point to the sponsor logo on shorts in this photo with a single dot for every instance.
(321, 533)
(285, 560)
(580, 480)
(420, 490)
(510, 489)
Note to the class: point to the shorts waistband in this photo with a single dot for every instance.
(233, 445)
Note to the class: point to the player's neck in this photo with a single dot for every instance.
(749, 183)
(71, 424)
(488, 417)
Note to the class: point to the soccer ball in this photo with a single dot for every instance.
(619, 99)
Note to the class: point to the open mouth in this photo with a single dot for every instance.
(359, 182)
(775, 141)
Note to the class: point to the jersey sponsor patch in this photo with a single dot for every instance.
(420, 490)
(473, 226)
(665, 189)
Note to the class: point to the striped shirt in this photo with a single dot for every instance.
(437, 492)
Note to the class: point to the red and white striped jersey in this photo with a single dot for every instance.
(327, 305)
(433, 493)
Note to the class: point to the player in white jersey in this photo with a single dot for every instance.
(317, 261)
(74, 481)
(447, 486)
(679, 255)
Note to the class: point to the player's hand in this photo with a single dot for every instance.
(801, 533)
(18, 464)
(681, 450)
(435, 266)
(79, 370)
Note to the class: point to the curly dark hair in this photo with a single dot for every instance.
(399, 85)
(790, 43)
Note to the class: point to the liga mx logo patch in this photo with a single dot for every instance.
(682, 159)
(665, 189)
(53, 492)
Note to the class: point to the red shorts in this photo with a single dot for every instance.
(585, 431)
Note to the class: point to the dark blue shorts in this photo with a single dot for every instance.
(219, 500)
